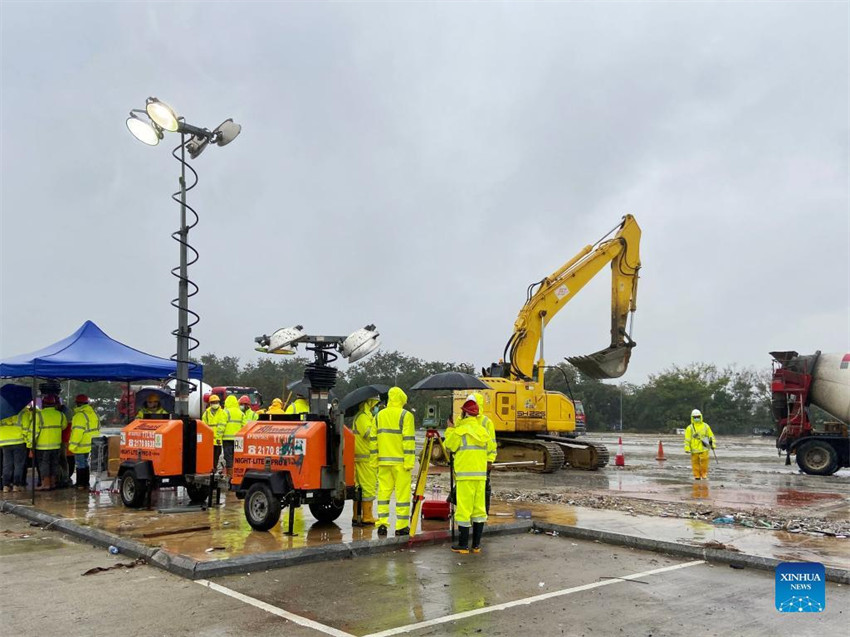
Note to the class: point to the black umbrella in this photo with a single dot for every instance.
(300, 387)
(449, 380)
(354, 398)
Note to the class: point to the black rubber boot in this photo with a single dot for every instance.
(404, 531)
(487, 492)
(382, 531)
(462, 545)
(83, 479)
(477, 530)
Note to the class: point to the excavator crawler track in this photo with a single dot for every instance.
(581, 454)
(529, 454)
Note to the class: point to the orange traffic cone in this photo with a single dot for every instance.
(620, 459)
(660, 455)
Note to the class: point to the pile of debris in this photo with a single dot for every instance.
(753, 518)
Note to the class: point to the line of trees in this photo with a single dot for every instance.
(733, 400)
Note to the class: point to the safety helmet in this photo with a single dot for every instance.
(470, 407)
(244, 400)
(49, 401)
(696, 413)
(277, 402)
(214, 399)
(472, 398)
(81, 399)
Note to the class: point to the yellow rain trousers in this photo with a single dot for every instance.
(396, 457)
(699, 440)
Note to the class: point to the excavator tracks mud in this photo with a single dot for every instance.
(529, 454)
(587, 455)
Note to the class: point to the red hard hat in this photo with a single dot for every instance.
(244, 400)
(49, 401)
(82, 398)
(470, 407)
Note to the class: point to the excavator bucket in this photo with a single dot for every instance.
(610, 362)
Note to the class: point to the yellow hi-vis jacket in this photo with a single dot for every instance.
(298, 406)
(144, 412)
(11, 432)
(366, 434)
(48, 436)
(698, 437)
(85, 425)
(25, 419)
(215, 419)
(250, 415)
(487, 423)
(234, 419)
(471, 445)
(275, 408)
(396, 432)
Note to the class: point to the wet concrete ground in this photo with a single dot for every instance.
(748, 474)
(519, 585)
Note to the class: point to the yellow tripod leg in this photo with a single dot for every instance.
(419, 491)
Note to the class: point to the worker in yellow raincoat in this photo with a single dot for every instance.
(470, 444)
(396, 457)
(234, 420)
(699, 439)
(366, 459)
(275, 408)
(486, 422)
(298, 406)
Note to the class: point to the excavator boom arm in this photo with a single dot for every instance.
(547, 297)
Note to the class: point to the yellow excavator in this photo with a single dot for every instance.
(531, 423)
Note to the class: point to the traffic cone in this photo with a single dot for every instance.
(660, 455)
(620, 459)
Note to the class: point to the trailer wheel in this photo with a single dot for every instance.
(133, 490)
(817, 458)
(197, 492)
(327, 511)
(262, 508)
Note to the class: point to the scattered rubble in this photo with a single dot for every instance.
(753, 518)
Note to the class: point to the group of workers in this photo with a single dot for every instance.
(227, 420)
(385, 453)
(48, 433)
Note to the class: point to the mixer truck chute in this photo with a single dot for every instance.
(798, 382)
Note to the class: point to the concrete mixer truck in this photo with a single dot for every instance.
(816, 379)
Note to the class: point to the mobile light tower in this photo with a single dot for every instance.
(149, 125)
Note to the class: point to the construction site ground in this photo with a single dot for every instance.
(520, 584)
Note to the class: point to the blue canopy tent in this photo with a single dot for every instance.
(88, 355)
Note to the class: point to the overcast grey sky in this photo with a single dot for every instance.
(418, 165)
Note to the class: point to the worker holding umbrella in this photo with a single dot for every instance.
(470, 443)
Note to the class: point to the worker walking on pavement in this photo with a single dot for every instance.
(85, 425)
(245, 406)
(151, 407)
(396, 457)
(48, 441)
(698, 440)
(13, 449)
(234, 420)
(298, 406)
(366, 459)
(471, 446)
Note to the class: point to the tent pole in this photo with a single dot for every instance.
(129, 406)
(32, 437)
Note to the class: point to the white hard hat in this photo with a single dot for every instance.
(472, 398)
(696, 413)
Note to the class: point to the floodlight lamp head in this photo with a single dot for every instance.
(360, 344)
(282, 341)
(162, 114)
(145, 130)
(226, 132)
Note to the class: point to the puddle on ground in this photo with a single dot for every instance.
(21, 546)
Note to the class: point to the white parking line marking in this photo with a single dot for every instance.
(528, 600)
(274, 610)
